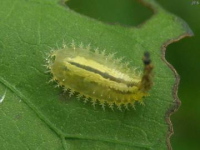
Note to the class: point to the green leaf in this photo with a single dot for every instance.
(35, 115)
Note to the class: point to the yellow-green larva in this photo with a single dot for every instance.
(98, 77)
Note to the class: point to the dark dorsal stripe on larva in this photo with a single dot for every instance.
(104, 75)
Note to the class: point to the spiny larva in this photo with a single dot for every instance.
(98, 77)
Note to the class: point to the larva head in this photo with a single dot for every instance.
(146, 58)
(146, 82)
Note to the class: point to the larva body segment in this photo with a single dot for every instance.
(96, 77)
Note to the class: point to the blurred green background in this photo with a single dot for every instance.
(184, 55)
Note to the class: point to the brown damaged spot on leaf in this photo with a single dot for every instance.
(177, 101)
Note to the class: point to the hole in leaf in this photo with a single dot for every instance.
(123, 12)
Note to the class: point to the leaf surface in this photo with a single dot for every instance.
(35, 115)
